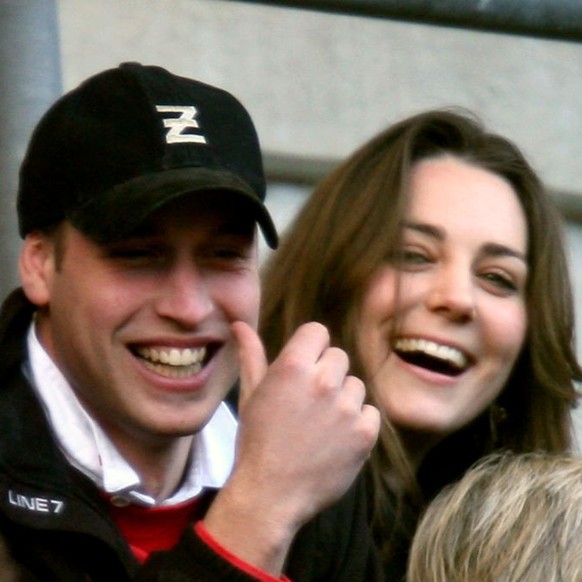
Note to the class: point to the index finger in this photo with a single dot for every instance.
(252, 359)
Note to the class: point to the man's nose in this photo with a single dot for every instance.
(184, 296)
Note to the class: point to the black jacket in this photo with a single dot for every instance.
(57, 527)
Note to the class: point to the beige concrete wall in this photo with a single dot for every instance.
(318, 84)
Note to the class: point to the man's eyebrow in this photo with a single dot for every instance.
(490, 249)
(236, 226)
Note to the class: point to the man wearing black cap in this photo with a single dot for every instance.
(138, 204)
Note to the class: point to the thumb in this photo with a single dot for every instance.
(252, 359)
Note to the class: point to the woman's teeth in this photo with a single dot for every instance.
(447, 354)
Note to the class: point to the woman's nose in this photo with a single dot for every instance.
(452, 293)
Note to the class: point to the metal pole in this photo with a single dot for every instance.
(552, 19)
(30, 80)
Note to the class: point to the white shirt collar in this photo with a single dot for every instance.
(88, 448)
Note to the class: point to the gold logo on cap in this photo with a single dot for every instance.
(178, 125)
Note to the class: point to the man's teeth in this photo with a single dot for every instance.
(447, 353)
(173, 356)
(173, 362)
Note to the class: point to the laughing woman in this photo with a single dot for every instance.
(437, 261)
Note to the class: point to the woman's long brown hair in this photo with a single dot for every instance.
(350, 226)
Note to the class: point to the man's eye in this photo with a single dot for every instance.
(229, 253)
(136, 254)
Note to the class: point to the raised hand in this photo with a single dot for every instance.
(304, 434)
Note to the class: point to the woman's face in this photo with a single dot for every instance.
(458, 295)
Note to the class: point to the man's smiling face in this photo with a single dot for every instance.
(141, 327)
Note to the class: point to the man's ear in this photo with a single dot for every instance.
(37, 266)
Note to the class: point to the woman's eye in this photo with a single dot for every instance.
(501, 281)
(410, 257)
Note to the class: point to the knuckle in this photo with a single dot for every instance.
(326, 384)
(315, 328)
(356, 386)
(372, 423)
(290, 363)
(339, 357)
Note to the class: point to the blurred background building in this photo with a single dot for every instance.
(319, 78)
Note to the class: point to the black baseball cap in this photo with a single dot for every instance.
(131, 139)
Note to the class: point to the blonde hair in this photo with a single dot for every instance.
(510, 518)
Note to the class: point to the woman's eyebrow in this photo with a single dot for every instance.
(489, 249)
(427, 229)
(501, 250)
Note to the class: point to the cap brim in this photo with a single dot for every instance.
(117, 213)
